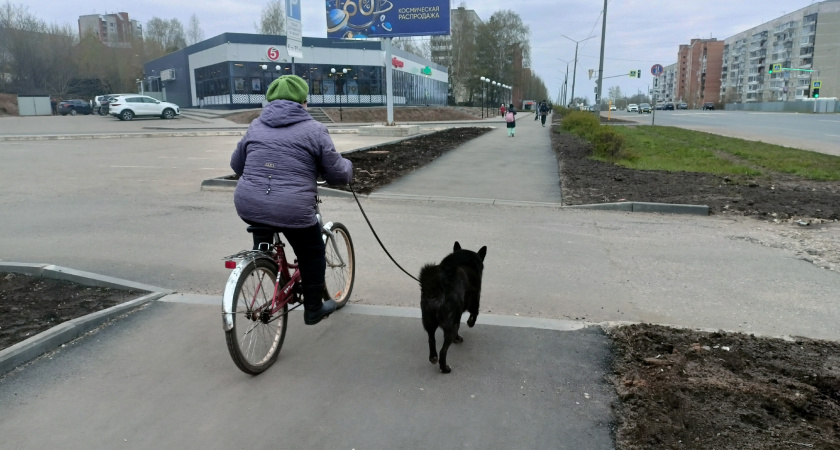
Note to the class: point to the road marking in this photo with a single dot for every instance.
(834, 121)
(833, 135)
(140, 167)
(180, 157)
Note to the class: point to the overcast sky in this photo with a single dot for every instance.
(640, 33)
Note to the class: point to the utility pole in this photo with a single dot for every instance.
(565, 85)
(601, 64)
(574, 71)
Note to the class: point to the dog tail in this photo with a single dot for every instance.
(430, 282)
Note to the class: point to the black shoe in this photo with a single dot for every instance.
(312, 317)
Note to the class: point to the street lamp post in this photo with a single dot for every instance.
(574, 71)
(493, 95)
(483, 95)
(485, 82)
(335, 87)
(264, 85)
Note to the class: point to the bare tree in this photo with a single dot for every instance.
(58, 54)
(272, 18)
(501, 42)
(163, 36)
(194, 32)
(419, 46)
(39, 57)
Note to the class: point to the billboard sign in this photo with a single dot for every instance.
(357, 19)
(294, 38)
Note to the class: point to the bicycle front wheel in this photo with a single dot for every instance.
(257, 335)
(341, 266)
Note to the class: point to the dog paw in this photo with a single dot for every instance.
(471, 322)
(458, 339)
(446, 369)
(433, 359)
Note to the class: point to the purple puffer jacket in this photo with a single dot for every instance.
(279, 159)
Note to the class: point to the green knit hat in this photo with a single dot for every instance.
(288, 87)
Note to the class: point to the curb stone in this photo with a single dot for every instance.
(226, 184)
(35, 346)
(61, 137)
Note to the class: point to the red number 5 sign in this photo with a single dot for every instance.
(273, 54)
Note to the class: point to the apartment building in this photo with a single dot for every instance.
(804, 43)
(442, 45)
(698, 72)
(113, 30)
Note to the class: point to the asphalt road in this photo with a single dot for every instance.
(135, 211)
(161, 377)
(815, 132)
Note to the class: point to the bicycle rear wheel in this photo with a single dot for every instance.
(257, 335)
(341, 266)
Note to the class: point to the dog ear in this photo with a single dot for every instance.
(483, 252)
(457, 247)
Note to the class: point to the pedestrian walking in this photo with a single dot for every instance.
(510, 118)
(54, 106)
(502, 109)
(543, 111)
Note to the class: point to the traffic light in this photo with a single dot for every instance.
(639, 73)
(816, 92)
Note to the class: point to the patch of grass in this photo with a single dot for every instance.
(677, 149)
(676, 152)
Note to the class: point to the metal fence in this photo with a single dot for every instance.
(823, 105)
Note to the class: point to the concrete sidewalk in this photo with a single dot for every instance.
(493, 166)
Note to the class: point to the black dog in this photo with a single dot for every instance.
(446, 291)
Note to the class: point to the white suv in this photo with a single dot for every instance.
(632, 107)
(128, 106)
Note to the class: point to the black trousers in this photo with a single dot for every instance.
(309, 249)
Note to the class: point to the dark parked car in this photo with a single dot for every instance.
(708, 105)
(682, 105)
(74, 107)
(668, 106)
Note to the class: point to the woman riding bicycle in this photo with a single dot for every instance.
(279, 160)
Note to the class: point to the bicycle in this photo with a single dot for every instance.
(264, 283)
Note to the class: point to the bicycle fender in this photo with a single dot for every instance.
(227, 299)
(230, 289)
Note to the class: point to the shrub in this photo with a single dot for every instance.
(609, 144)
(562, 111)
(580, 123)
